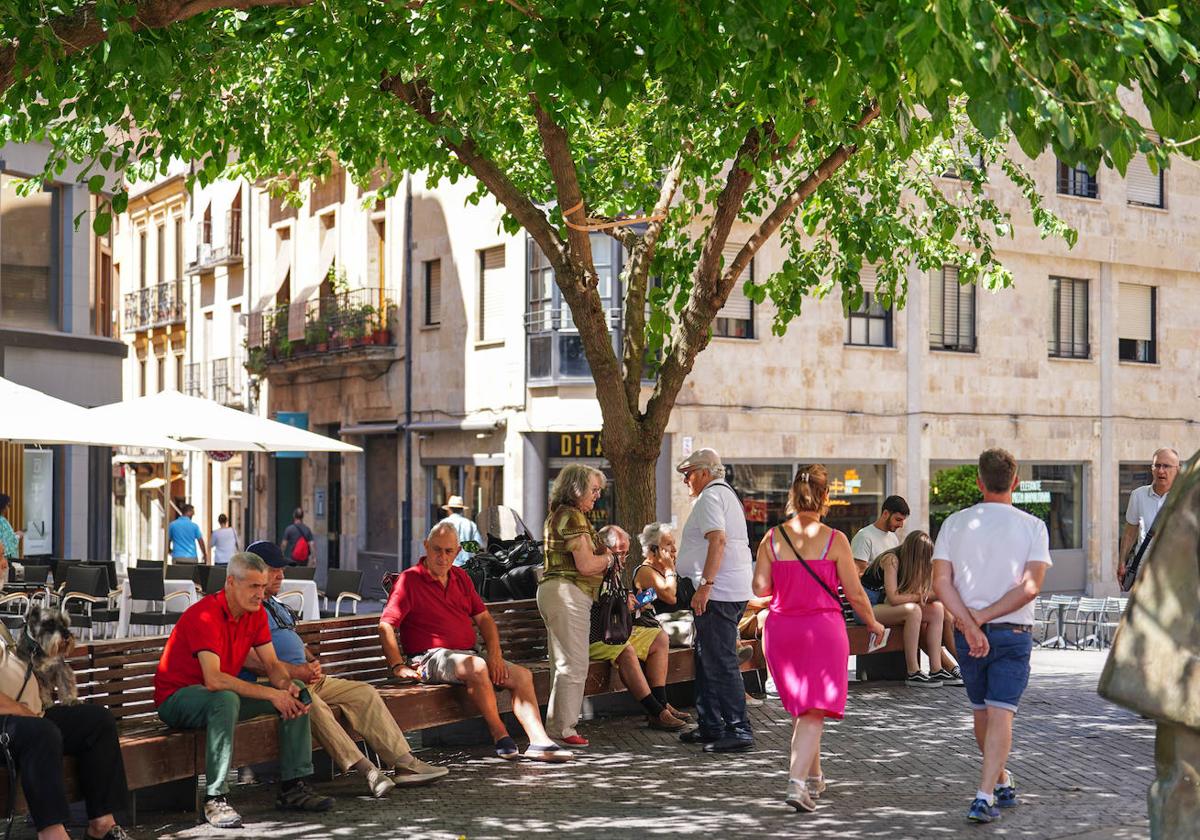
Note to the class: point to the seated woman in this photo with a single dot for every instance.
(672, 597)
(646, 645)
(899, 584)
(39, 739)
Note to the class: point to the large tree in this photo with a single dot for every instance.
(819, 122)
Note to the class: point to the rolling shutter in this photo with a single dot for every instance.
(1144, 186)
(1135, 312)
(433, 292)
(491, 294)
(737, 305)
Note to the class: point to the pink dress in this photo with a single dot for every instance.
(804, 637)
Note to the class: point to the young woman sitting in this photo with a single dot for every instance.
(899, 584)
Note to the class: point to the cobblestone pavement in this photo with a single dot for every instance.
(902, 764)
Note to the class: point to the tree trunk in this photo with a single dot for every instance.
(634, 478)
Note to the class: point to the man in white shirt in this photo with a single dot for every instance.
(1144, 505)
(881, 535)
(714, 551)
(988, 566)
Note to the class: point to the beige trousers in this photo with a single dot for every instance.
(567, 611)
(365, 711)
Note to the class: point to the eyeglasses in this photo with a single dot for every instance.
(1164, 467)
(596, 491)
(687, 475)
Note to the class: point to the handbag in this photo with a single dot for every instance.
(612, 622)
(17, 681)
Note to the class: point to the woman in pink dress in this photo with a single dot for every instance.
(799, 565)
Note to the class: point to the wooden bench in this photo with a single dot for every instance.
(120, 675)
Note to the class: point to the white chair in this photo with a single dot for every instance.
(1113, 606)
(1059, 604)
(294, 594)
(1089, 613)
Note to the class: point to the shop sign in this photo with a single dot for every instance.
(756, 510)
(1030, 493)
(577, 445)
(39, 502)
(299, 419)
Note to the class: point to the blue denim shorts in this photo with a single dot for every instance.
(876, 597)
(998, 679)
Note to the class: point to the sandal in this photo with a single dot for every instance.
(300, 797)
(549, 752)
(506, 748)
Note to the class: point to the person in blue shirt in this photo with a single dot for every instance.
(186, 537)
(466, 529)
(358, 701)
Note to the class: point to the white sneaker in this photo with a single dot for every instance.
(379, 783)
(799, 797)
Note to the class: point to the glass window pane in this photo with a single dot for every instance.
(877, 336)
(858, 329)
(1054, 494)
(539, 357)
(571, 360)
(28, 233)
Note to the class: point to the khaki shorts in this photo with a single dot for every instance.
(437, 666)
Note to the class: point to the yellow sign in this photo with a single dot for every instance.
(579, 445)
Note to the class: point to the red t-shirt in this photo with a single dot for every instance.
(428, 615)
(207, 625)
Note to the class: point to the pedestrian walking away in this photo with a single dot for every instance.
(799, 566)
(988, 566)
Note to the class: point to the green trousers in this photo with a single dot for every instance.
(217, 713)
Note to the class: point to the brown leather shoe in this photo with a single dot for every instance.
(666, 722)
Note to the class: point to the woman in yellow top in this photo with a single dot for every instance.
(576, 560)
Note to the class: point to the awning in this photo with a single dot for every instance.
(370, 429)
(463, 425)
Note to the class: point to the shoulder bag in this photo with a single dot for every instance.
(809, 568)
(612, 622)
(1135, 565)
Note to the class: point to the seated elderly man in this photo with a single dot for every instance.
(359, 702)
(434, 609)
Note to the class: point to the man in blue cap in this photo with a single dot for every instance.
(361, 704)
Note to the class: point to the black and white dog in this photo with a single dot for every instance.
(45, 643)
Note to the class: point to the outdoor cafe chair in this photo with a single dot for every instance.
(181, 571)
(1115, 607)
(147, 585)
(1059, 605)
(341, 584)
(86, 585)
(299, 572)
(1089, 612)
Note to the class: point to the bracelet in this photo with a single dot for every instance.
(397, 665)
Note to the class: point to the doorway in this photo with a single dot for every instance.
(334, 520)
(287, 493)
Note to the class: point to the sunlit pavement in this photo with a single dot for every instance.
(902, 764)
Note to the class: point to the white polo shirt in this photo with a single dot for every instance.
(717, 509)
(1144, 505)
(870, 542)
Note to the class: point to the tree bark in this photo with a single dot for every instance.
(634, 476)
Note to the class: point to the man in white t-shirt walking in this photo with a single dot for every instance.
(988, 566)
(881, 535)
(714, 551)
(1144, 505)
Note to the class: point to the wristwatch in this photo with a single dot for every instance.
(703, 582)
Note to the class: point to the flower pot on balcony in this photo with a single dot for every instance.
(380, 337)
(322, 346)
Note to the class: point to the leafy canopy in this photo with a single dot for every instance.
(909, 88)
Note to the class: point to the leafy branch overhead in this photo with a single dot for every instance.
(827, 124)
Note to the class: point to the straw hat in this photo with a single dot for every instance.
(454, 503)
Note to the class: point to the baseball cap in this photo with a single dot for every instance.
(699, 459)
(270, 554)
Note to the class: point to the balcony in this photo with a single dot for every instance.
(554, 349)
(209, 254)
(226, 377)
(347, 334)
(155, 306)
(193, 380)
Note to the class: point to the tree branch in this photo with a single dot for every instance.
(633, 351)
(418, 96)
(82, 29)
(693, 331)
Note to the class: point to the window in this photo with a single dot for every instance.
(870, 325)
(951, 312)
(1144, 188)
(29, 256)
(178, 247)
(1069, 318)
(736, 318)
(377, 253)
(142, 253)
(160, 248)
(966, 160)
(178, 371)
(206, 227)
(1077, 181)
(380, 460)
(142, 378)
(433, 292)
(1136, 311)
(491, 294)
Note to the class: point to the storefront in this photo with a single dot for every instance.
(1052, 492)
(583, 448)
(856, 493)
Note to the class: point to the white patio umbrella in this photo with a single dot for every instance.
(204, 424)
(29, 416)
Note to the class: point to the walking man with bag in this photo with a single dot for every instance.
(1141, 513)
(298, 543)
(988, 566)
(715, 553)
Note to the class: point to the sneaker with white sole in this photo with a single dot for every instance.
(919, 679)
(1006, 795)
(948, 677)
(220, 814)
(379, 783)
(412, 771)
(816, 786)
(798, 796)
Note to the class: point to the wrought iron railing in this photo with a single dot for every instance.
(332, 323)
(209, 254)
(193, 380)
(155, 306)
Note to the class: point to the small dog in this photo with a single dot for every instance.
(46, 642)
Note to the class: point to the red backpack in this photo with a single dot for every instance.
(300, 550)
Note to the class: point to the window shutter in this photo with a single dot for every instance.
(1135, 317)
(937, 309)
(1080, 316)
(965, 296)
(491, 294)
(951, 305)
(737, 305)
(433, 292)
(1145, 187)
(869, 279)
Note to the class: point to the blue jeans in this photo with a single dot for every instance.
(998, 679)
(720, 691)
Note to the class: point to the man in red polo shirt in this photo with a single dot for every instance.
(435, 609)
(196, 687)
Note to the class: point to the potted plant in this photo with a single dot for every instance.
(383, 325)
(316, 334)
(256, 361)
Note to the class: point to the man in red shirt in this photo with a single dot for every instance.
(435, 609)
(196, 687)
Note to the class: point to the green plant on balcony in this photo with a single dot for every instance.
(284, 347)
(256, 360)
(316, 335)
